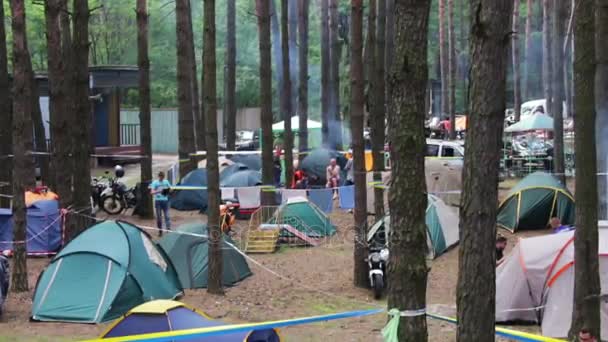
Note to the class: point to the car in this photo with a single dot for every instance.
(444, 148)
(246, 140)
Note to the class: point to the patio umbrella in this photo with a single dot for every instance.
(535, 122)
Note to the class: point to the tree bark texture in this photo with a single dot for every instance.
(263, 15)
(443, 59)
(389, 36)
(186, 123)
(451, 70)
(213, 170)
(61, 160)
(526, 84)
(476, 292)
(81, 121)
(369, 60)
(547, 63)
(197, 117)
(379, 115)
(586, 261)
(277, 52)
(6, 116)
(293, 51)
(407, 78)
(357, 103)
(23, 163)
(230, 75)
(286, 99)
(516, 65)
(325, 90)
(560, 14)
(145, 116)
(601, 100)
(303, 9)
(335, 47)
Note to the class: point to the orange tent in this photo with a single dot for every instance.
(32, 197)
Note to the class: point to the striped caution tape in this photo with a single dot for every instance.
(236, 328)
(507, 333)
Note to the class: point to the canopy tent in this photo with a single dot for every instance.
(441, 223)
(304, 216)
(295, 124)
(101, 274)
(535, 122)
(539, 273)
(44, 228)
(243, 178)
(316, 162)
(534, 201)
(168, 315)
(188, 250)
(191, 199)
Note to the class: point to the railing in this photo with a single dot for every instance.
(129, 134)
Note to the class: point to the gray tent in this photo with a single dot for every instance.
(535, 283)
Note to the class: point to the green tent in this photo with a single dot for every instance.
(188, 250)
(100, 275)
(305, 217)
(441, 224)
(534, 201)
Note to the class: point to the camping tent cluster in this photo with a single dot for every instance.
(167, 315)
(305, 217)
(536, 283)
(534, 201)
(44, 228)
(441, 223)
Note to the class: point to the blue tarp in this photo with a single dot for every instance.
(347, 197)
(322, 198)
(44, 228)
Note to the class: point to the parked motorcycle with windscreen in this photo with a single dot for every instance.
(377, 259)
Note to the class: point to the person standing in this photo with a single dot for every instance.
(350, 170)
(333, 176)
(160, 190)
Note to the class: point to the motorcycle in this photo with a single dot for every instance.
(98, 186)
(117, 198)
(377, 260)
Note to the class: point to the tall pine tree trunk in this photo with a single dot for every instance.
(186, 124)
(213, 170)
(286, 99)
(476, 292)
(451, 70)
(559, 21)
(408, 78)
(263, 15)
(334, 75)
(325, 90)
(293, 51)
(357, 102)
(379, 116)
(61, 160)
(23, 163)
(303, 8)
(547, 63)
(80, 124)
(443, 59)
(199, 126)
(277, 52)
(389, 36)
(230, 76)
(145, 125)
(6, 116)
(516, 66)
(526, 84)
(587, 289)
(601, 86)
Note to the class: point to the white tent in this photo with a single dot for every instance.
(536, 283)
(295, 124)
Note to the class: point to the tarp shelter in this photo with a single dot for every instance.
(539, 273)
(105, 271)
(304, 216)
(191, 199)
(188, 250)
(535, 122)
(441, 223)
(252, 161)
(534, 201)
(232, 169)
(168, 315)
(241, 179)
(44, 228)
(316, 162)
(314, 131)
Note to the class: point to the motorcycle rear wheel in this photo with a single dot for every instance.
(378, 286)
(112, 205)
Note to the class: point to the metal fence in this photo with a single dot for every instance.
(129, 134)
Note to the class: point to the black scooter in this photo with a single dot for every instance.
(377, 260)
